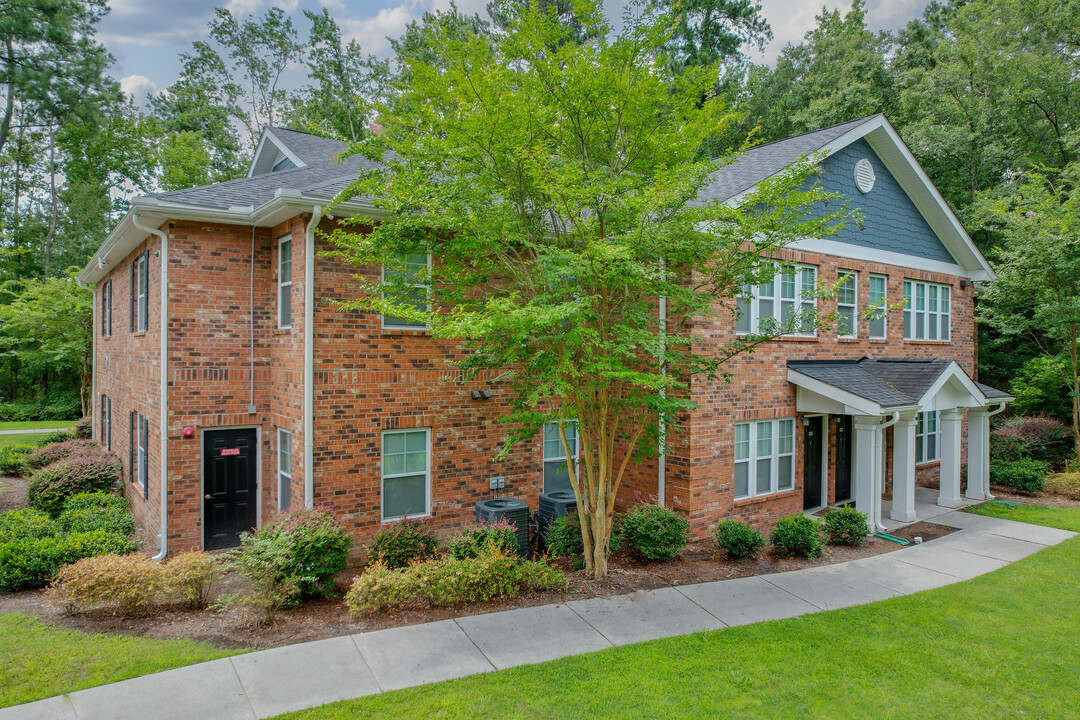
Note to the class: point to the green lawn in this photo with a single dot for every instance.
(1004, 645)
(37, 424)
(39, 661)
(1064, 518)
(20, 439)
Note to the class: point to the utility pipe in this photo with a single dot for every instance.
(163, 400)
(661, 463)
(986, 485)
(309, 356)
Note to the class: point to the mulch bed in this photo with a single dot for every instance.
(12, 493)
(1040, 498)
(317, 619)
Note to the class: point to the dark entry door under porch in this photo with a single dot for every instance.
(843, 458)
(230, 487)
(813, 434)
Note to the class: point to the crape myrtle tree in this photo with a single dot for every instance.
(555, 186)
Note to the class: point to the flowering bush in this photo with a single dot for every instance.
(88, 470)
(48, 454)
(128, 583)
(84, 428)
(1038, 437)
(402, 542)
(475, 538)
(450, 582)
(191, 576)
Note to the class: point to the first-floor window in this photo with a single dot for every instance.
(764, 457)
(405, 473)
(139, 444)
(106, 421)
(556, 469)
(927, 437)
(284, 468)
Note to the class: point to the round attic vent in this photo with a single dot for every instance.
(864, 176)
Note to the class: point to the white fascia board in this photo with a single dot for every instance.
(886, 257)
(859, 405)
(892, 150)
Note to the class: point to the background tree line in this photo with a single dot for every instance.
(983, 91)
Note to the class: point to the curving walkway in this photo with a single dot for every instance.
(266, 683)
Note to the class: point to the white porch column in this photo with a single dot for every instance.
(867, 465)
(903, 469)
(978, 467)
(949, 421)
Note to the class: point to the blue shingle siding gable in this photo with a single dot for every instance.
(890, 220)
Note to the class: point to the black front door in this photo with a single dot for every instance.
(229, 486)
(843, 458)
(812, 439)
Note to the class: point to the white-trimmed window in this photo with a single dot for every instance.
(879, 299)
(285, 281)
(764, 457)
(139, 444)
(284, 468)
(140, 292)
(556, 470)
(406, 473)
(106, 309)
(776, 303)
(416, 273)
(106, 421)
(926, 310)
(927, 437)
(847, 301)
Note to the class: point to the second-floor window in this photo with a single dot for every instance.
(847, 304)
(926, 310)
(414, 274)
(878, 305)
(775, 304)
(285, 281)
(140, 292)
(106, 308)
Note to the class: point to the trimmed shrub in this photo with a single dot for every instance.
(26, 523)
(109, 519)
(84, 428)
(13, 460)
(265, 563)
(89, 471)
(739, 539)
(49, 454)
(191, 577)
(403, 542)
(845, 526)
(654, 532)
(127, 583)
(31, 562)
(1025, 475)
(450, 582)
(55, 438)
(81, 501)
(797, 536)
(1037, 437)
(474, 539)
(1066, 484)
(563, 537)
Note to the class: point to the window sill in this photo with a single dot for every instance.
(928, 463)
(878, 341)
(420, 332)
(928, 342)
(847, 339)
(399, 518)
(758, 499)
(798, 338)
(281, 331)
(138, 333)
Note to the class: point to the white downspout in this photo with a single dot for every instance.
(879, 455)
(661, 463)
(989, 414)
(163, 400)
(309, 356)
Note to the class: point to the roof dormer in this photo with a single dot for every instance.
(273, 155)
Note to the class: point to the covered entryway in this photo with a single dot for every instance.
(890, 392)
(230, 486)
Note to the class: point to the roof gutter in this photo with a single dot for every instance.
(163, 399)
(309, 356)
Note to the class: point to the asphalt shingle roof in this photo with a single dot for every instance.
(889, 382)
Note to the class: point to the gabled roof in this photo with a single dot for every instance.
(891, 383)
(303, 149)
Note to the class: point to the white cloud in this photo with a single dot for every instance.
(137, 86)
(333, 4)
(372, 32)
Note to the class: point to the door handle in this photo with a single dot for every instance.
(208, 497)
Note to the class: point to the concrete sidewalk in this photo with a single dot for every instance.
(269, 682)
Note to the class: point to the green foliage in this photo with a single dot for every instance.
(56, 438)
(1065, 483)
(400, 543)
(130, 584)
(84, 428)
(32, 562)
(450, 581)
(59, 409)
(797, 536)
(563, 536)
(738, 539)
(473, 539)
(1038, 437)
(1024, 475)
(13, 460)
(26, 523)
(654, 532)
(53, 447)
(102, 500)
(1040, 388)
(845, 526)
(110, 519)
(191, 576)
(265, 563)
(93, 471)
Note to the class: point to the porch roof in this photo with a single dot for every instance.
(873, 386)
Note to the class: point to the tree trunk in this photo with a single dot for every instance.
(1074, 385)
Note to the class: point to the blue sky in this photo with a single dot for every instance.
(147, 36)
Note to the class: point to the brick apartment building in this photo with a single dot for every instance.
(233, 388)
